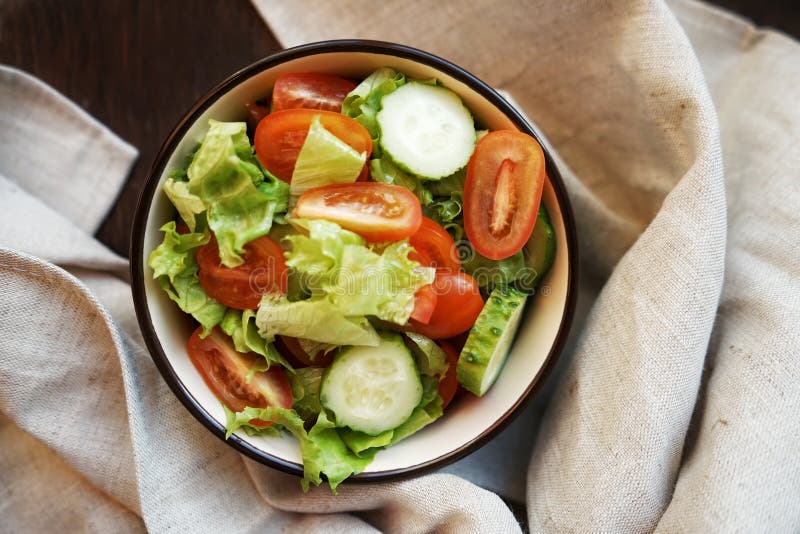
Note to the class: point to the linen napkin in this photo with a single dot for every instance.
(676, 408)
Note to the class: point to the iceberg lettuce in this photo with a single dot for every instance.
(175, 267)
(240, 198)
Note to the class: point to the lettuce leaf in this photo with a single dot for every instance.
(306, 391)
(175, 267)
(322, 449)
(381, 285)
(317, 318)
(385, 170)
(187, 204)
(428, 410)
(240, 326)
(317, 256)
(364, 102)
(358, 442)
(229, 180)
(431, 359)
(342, 273)
(324, 159)
(490, 273)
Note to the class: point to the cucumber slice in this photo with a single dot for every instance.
(490, 339)
(540, 250)
(426, 130)
(372, 389)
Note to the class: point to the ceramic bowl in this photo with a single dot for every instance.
(470, 421)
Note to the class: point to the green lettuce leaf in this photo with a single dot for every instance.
(317, 318)
(431, 359)
(364, 102)
(240, 326)
(228, 178)
(386, 171)
(237, 420)
(175, 267)
(187, 204)
(306, 391)
(324, 159)
(489, 273)
(321, 448)
(316, 257)
(428, 410)
(358, 442)
(339, 269)
(381, 285)
(448, 185)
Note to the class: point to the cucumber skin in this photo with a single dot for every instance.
(484, 335)
(540, 250)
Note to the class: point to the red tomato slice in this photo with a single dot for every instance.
(290, 347)
(432, 242)
(263, 271)
(424, 304)
(449, 384)
(280, 136)
(310, 91)
(458, 304)
(225, 373)
(378, 212)
(505, 177)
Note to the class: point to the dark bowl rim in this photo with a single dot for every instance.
(174, 138)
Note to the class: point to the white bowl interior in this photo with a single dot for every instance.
(469, 417)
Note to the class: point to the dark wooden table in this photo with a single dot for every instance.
(137, 65)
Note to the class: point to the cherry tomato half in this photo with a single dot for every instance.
(434, 247)
(310, 91)
(458, 304)
(505, 177)
(449, 384)
(424, 304)
(292, 350)
(225, 373)
(378, 212)
(263, 271)
(280, 136)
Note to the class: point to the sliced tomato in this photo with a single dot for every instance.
(225, 372)
(449, 384)
(424, 304)
(434, 244)
(280, 136)
(458, 303)
(291, 348)
(310, 91)
(505, 177)
(263, 271)
(378, 212)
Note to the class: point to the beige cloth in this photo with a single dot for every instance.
(675, 409)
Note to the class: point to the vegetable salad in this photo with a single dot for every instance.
(354, 255)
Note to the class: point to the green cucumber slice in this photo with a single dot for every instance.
(539, 252)
(372, 389)
(426, 130)
(490, 339)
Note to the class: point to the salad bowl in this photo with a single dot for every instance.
(469, 421)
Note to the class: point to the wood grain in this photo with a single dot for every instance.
(136, 66)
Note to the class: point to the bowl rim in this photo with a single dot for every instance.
(179, 131)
